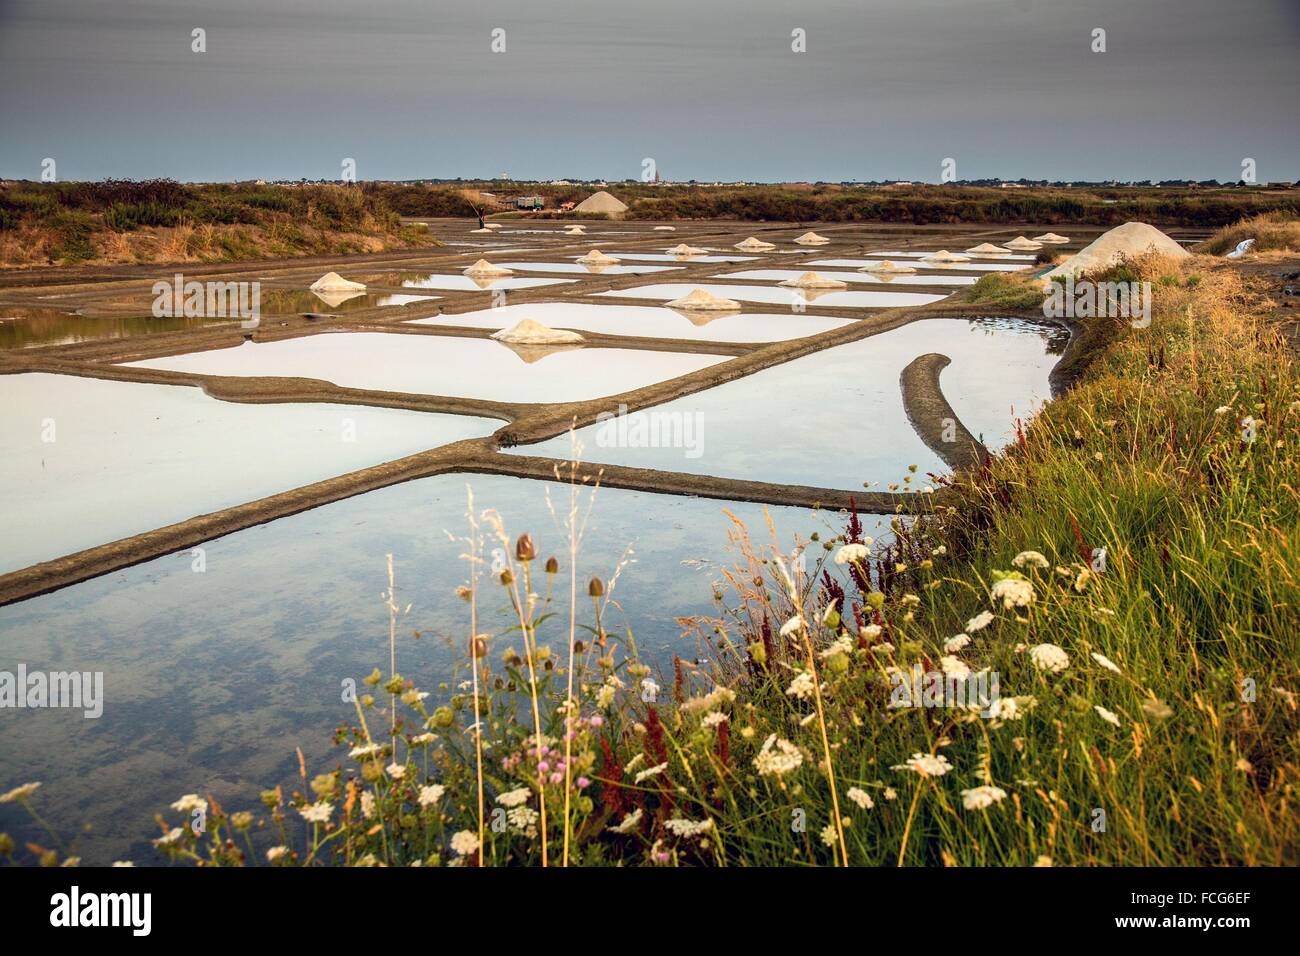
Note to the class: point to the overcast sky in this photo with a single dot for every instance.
(709, 89)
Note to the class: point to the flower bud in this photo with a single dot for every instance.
(478, 646)
(552, 565)
(596, 588)
(524, 550)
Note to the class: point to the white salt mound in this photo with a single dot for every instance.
(887, 267)
(665, 228)
(811, 280)
(483, 230)
(1131, 239)
(1051, 237)
(333, 282)
(485, 268)
(532, 332)
(943, 255)
(682, 249)
(598, 258)
(987, 249)
(811, 239)
(699, 300)
(1021, 244)
(754, 245)
(601, 202)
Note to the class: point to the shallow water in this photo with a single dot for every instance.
(839, 412)
(25, 328)
(663, 257)
(89, 461)
(645, 320)
(917, 264)
(780, 275)
(443, 365)
(211, 680)
(788, 297)
(582, 269)
(460, 283)
(894, 254)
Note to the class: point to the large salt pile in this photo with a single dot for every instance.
(483, 268)
(598, 258)
(1021, 244)
(1131, 239)
(700, 300)
(811, 280)
(682, 249)
(987, 249)
(943, 255)
(887, 268)
(333, 282)
(1051, 237)
(601, 202)
(532, 332)
(811, 239)
(753, 244)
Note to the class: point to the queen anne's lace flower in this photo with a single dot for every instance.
(851, 553)
(464, 842)
(1012, 592)
(1032, 558)
(981, 798)
(801, 687)
(980, 621)
(777, 757)
(1049, 657)
(688, 828)
(514, 798)
(317, 812)
(860, 797)
(927, 765)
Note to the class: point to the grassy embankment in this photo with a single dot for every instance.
(164, 221)
(1147, 708)
(1207, 207)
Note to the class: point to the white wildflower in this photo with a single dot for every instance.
(431, 794)
(801, 687)
(1034, 559)
(189, 802)
(514, 798)
(927, 765)
(852, 553)
(954, 667)
(954, 644)
(1012, 592)
(688, 828)
(1049, 657)
(464, 842)
(275, 853)
(317, 812)
(860, 797)
(778, 756)
(981, 798)
(980, 621)
(791, 627)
